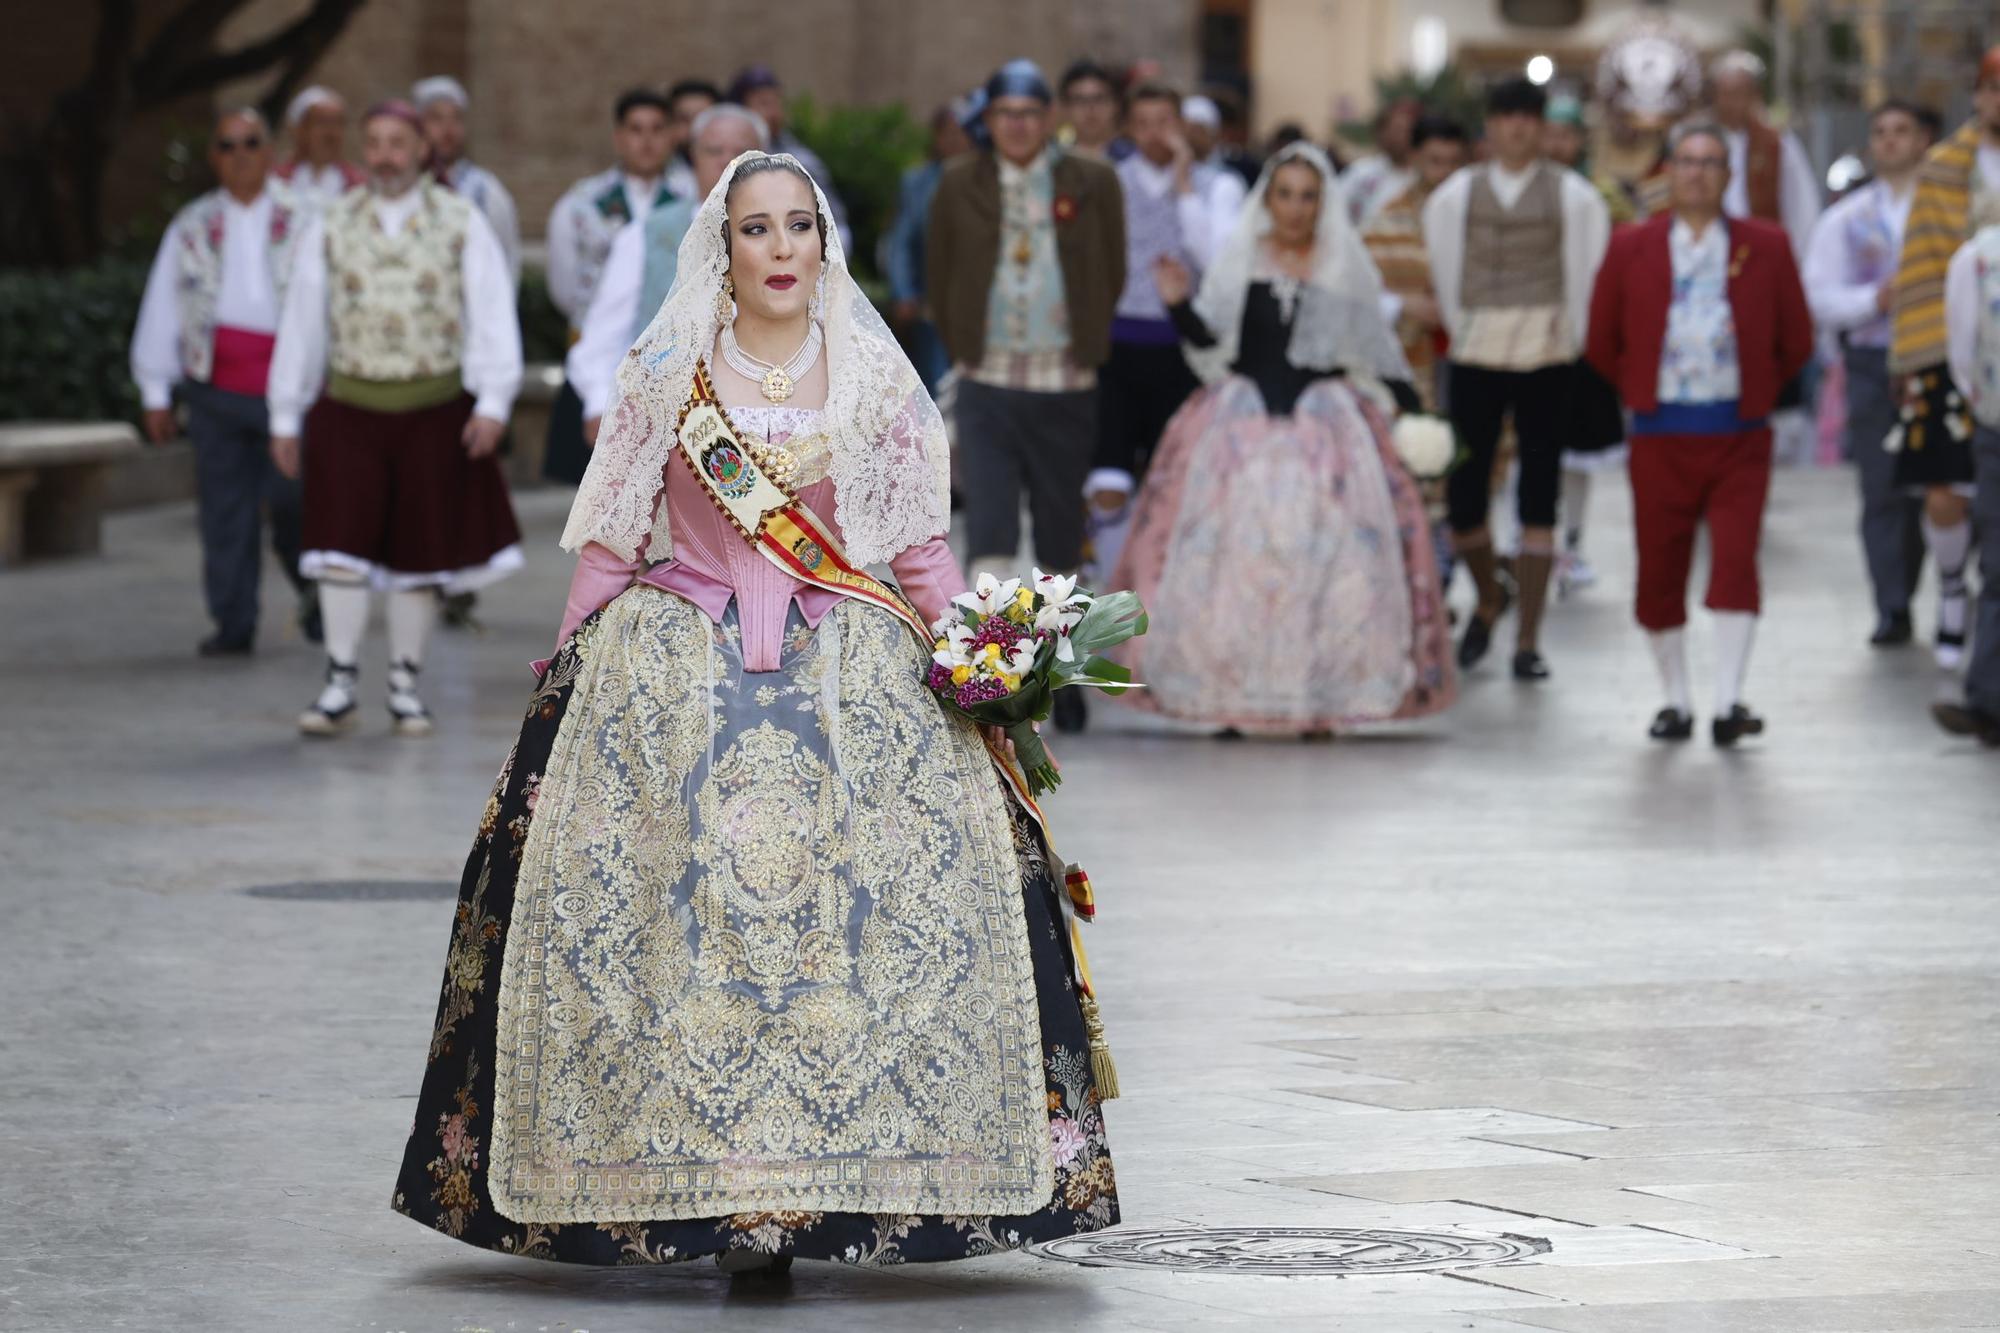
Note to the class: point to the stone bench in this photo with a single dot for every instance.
(52, 485)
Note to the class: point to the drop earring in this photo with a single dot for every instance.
(817, 310)
(725, 300)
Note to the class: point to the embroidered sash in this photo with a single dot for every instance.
(790, 535)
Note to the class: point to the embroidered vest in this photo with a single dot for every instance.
(1763, 154)
(665, 226)
(1152, 229)
(1511, 288)
(601, 208)
(200, 227)
(1986, 357)
(396, 304)
(1513, 256)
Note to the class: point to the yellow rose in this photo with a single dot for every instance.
(960, 674)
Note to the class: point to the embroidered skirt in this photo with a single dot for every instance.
(1288, 567)
(755, 961)
(1927, 436)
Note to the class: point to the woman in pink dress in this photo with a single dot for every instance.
(1279, 544)
(755, 956)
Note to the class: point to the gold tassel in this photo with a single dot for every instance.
(1103, 1070)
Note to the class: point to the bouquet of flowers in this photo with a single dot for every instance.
(1425, 444)
(1006, 647)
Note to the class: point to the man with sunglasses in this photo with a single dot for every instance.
(1699, 319)
(207, 324)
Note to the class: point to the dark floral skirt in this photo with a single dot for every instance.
(443, 1180)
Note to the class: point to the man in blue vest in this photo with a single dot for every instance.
(639, 271)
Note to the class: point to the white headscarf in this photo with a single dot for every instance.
(315, 96)
(891, 465)
(1339, 325)
(439, 88)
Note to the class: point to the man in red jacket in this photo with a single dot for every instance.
(1699, 319)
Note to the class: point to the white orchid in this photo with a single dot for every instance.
(954, 645)
(1059, 590)
(989, 596)
(1055, 620)
(1023, 657)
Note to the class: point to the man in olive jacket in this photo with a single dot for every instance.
(1025, 258)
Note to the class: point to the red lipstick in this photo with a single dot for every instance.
(782, 282)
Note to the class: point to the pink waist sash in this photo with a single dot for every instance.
(242, 360)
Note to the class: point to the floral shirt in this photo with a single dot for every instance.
(1027, 313)
(1698, 358)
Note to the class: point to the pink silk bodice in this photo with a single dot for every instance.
(712, 563)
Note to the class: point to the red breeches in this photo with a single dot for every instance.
(1678, 483)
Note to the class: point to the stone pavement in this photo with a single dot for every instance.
(1717, 1028)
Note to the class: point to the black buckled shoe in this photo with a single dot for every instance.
(1529, 665)
(1892, 631)
(1478, 636)
(1734, 726)
(1070, 713)
(1962, 719)
(226, 645)
(1671, 724)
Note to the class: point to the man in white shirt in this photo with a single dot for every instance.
(442, 102)
(401, 306)
(206, 324)
(1772, 179)
(1850, 281)
(580, 232)
(319, 171)
(1175, 209)
(1513, 244)
(1373, 179)
(1770, 176)
(1972, 330)
(639, 271)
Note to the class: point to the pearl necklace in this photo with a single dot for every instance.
(776, 382)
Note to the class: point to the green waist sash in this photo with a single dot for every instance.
(394, 395)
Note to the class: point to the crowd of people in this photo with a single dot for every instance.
(1184, 360)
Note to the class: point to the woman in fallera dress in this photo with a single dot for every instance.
(756, 955)
(1279, 544)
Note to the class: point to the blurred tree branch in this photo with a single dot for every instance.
(54, 171)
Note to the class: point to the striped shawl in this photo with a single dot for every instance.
(1937, 227)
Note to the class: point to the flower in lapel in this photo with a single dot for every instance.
(1738, 259)
(1064, 208)
(281, 223)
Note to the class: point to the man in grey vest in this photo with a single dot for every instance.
(1514, 245)
(639, 271)
(207, 325)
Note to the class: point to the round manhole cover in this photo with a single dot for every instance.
(1289, 1251)
(357, 890)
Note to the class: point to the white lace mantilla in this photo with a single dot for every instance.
(1339, 324)
(885, 442)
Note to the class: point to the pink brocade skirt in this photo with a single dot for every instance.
(1288, 567)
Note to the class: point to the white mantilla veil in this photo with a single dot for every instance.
(1339, 324)
(891, 465)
